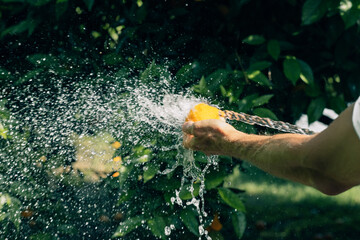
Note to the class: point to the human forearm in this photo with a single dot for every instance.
(281, 155)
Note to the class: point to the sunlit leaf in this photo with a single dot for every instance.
(259, 78)
(262, 100)
(350, 12)
(186, 193)
(231, 199)
(157, 226)
(201, 87)
(254, 40)
(150, 172)
(127, 226)
(189, 218)
(306, 74)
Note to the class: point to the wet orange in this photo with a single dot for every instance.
(216, 224)
(203, 111)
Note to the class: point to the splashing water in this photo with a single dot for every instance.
(132, 113)
(57, 116)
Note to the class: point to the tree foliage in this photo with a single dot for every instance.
(276, 59)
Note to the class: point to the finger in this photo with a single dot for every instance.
(188, 127)
(187, 141)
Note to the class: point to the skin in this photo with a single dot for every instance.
(328, 161)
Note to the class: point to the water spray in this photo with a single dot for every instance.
(204, 111)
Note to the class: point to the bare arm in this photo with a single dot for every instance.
(328, 161)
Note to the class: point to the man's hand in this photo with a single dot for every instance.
(213, 137)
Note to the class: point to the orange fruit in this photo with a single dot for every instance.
(116, 145)
(117, 159)
(216, 224)
(27, 213)
(203, 111)
(116, 174)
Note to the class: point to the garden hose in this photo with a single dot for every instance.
(204, 111)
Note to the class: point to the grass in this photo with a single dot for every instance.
(279, 209)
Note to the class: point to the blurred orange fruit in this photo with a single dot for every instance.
(27, 213)
(116, 145)
(117, 159)
(216, 224)
(116, 174)
(203, 111)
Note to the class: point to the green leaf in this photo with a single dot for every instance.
(151, 170)
(350, 12)
(216, 235)
(89, 4)
(261, 65)
(273, 48)
(41, 236)
(214, 179)
(292, 69)
(29, 75)
(306, 74)
(185, 73)
(265, 113)
(262, 100)
(259, 78)
(239, 223)
(13, 209)
(313, 10)
(163, 184)
(153, 72)
(254, 40)
(189, 218)
(38, 3)
(315, 109)
(126, 195)
(157, 226)
(231, 199)
(220, 76)
(26, 25)
(185, 193)
(113, 58)
(42, 60)
(127, 226)
(337, 103)
(201, 87)
(60, 8)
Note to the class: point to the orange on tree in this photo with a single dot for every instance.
(116, 174)
(117, 159)
(116, 145)
(216, 224)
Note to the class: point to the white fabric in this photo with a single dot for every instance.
(356, 117)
